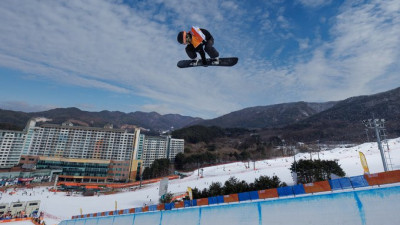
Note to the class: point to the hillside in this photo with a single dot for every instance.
(343, 121)
(268, 116)
(151, 120)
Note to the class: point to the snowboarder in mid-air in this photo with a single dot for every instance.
(200, 40)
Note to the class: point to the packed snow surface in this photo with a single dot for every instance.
(58, 206)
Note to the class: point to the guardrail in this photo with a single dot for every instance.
(295, 190)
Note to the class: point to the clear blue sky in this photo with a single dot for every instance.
(121, 55)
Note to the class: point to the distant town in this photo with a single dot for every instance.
(80, 153)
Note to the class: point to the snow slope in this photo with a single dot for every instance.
(58, 206)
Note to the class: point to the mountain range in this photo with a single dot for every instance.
(328, 120)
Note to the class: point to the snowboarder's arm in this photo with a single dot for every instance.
(207, 34)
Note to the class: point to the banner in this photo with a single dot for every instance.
(163, 187)
(190, 193)
(364, 163)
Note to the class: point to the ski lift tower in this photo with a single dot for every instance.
(380, 131)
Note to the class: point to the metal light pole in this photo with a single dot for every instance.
(376, 124)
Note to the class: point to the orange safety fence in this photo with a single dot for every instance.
(15, 220)
(103, 214)
(179, 204)
(145, 209)
(268, 193)
(110, 213)
(231, 198)
(179, 196)
(132, 210)
(202, 201)
(161, 206)
(114, 185)
(383, 178)
(120, 212)
(91, 187)
(319, 186)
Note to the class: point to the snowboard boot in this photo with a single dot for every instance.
(215, 61)
(195, 62)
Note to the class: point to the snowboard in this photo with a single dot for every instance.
(231, 61)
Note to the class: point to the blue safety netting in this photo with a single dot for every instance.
(152, 207)
(244, 196)
(359, 181)
(220, 199)
(139, 209)
(298, 189)
(345, 183)
(254, 195)
(335, 184)
(169, 206)
(212, 200)
(285, 191)
(187, 203)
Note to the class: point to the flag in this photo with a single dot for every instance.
(190, 193)
(364, 163)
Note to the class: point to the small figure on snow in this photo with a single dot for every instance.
(199, 40)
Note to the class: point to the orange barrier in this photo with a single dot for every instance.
(319, 186)
(179, 196)
(15, 220)
(383, 178)
(145, 209)
(202, 201)
(179, 204)
(231, 198)
(91, 187)
(120, 212)
(132, 210)
(161, 206)
(268, 193)
(103, 214)
(115, 185)
(110, 213)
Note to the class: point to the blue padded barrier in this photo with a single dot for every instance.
(345, 183)
(285, 191)
(254, 195)
(139, 209)
(298, 189)
(193, 202)
(220, 199)
(126, 211)
(106, 214)
(335, 184)
(187, 203)
(359, 181)
(212, 200)
(244, 196)
(98, 214)
(152, 207)
(169, 206)
(115, 212)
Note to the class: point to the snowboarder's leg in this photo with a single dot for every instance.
(209, 48)
(190, 51)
